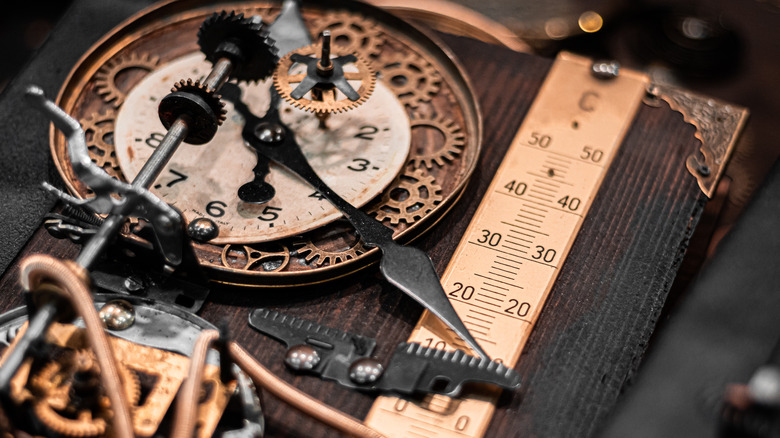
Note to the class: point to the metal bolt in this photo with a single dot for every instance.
(269, 132)
(117, 314)
(302, 357)
(133, 284)
(366, 370)
(202, 229)
(605, 69)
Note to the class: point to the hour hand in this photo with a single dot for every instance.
(409, 269)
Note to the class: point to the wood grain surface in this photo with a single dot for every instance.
(595, 327)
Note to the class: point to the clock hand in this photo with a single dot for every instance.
(408, 268)
(288, 32)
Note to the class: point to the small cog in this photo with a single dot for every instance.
(76, 374)
(410, 197)
(105, 78)
(454, 141)
(413, 79)
(99, 130)
(332, 101)
(205, 93)
(351, 33)
(314, 254)
(244, 40)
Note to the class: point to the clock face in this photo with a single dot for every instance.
(358, 154)
(404, 155)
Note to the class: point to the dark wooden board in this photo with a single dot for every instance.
(599, 317)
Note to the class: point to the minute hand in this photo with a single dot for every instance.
(408, 268)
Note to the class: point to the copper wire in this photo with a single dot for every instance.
(38, 270)
(187, 400)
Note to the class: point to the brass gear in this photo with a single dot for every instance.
(421, 192)
(413, 79)
(105, 78)
(284, 83)
(312, 253)
(454, 141)
(52, 387)
(351, 34)
(98, 128)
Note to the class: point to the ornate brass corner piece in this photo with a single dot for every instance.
(718, 125)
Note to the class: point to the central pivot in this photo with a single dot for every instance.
(324, 66)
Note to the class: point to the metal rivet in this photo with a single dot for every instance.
(117, 315)
(202, 229)
(366, 370)
(133, 284)
(302, 357)
(703, 170)
(605, 69)
(269, 132)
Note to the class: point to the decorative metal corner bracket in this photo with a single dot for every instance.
(718, 126)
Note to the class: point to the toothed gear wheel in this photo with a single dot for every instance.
(350, 33)
(410, 197)
(105, 78)
(454, 141)
(200, 104)
(413, 79)
(205, 93)
(285, 83)
(313, 254)
(53, 386)
(99, 130)
(244, 40)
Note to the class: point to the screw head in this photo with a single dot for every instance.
(605, 69)
(703, 170)
(269, 132)
(365, 370)
(133, 284)
(302, 357)
(202, 229)
(117, 315)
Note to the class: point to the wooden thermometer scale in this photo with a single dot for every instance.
(512, 251)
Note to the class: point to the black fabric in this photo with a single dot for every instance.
(24, 153)
(725, 328)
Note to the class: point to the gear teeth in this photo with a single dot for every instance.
(285, 88)
(209, 95)
(421, 83)
(454, 142)
(258, 51)
(313, 254)
(105, 78)
(415, 182)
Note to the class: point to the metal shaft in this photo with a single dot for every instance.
(178, 131)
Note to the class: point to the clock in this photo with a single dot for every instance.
(404, 155)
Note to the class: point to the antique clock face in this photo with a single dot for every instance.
(404, 155)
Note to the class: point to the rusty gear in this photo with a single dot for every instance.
(454, 141)
(243, 40)
(418, 193)
(330, 103)
(351, 33)
(412, 78)
(54, 385)
(319, 256)
(105, 78)
(99, 129)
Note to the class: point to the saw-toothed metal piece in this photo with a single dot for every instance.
(199, 104)
(422, 194)
(243, 40)
(412, 369)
